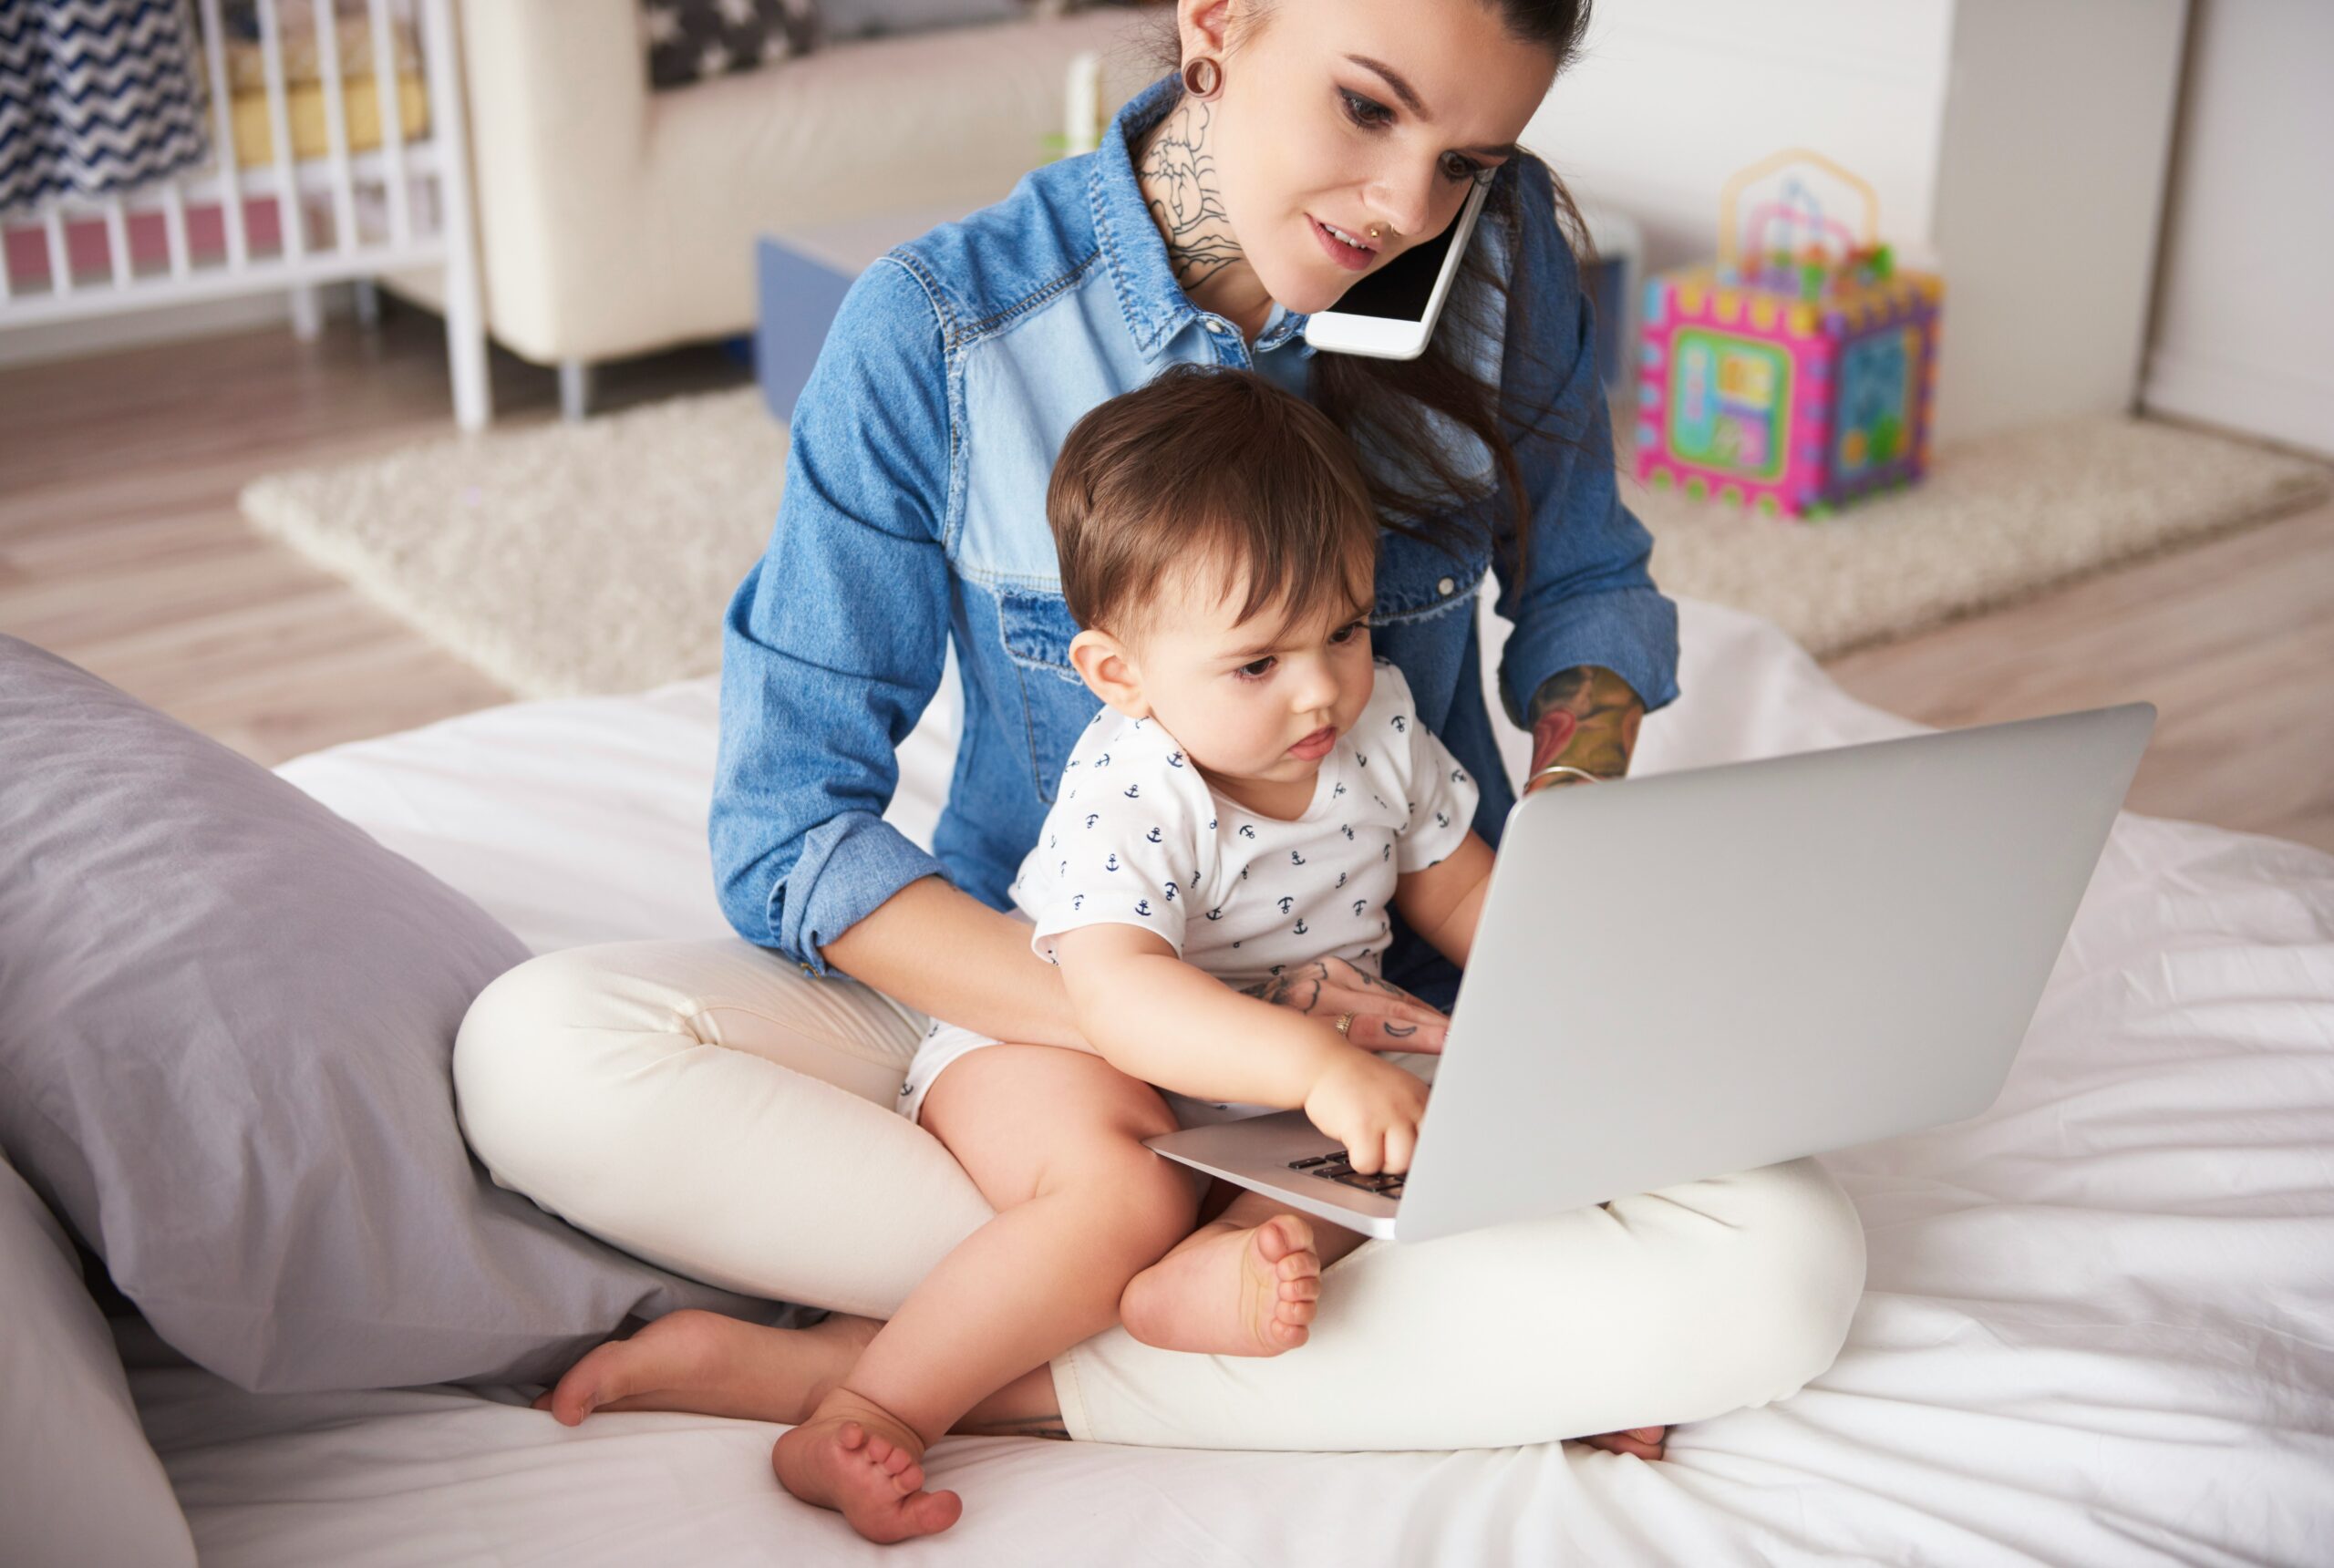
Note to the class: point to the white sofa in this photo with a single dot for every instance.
(614, 220)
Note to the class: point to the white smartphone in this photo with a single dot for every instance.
(1389, 314)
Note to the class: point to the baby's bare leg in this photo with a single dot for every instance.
(1054, 1141)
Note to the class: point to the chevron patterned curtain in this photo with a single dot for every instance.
(96, 97)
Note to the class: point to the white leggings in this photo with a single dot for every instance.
(711, 1108)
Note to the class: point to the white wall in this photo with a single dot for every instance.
(1671, 97)
(2245, 317)
(2057, 133)
(2018, 145)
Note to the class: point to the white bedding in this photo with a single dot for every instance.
(2099, 1328)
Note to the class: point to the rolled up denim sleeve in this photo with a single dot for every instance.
(1586, 596)
(836, 639)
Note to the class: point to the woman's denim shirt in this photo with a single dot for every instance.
(914, 512)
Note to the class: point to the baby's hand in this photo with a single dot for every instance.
(1370, 1106)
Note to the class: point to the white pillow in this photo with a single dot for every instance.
(78, 1484)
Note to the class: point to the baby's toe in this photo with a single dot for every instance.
(1306, 1289)
(936, 1512)
(1284, 1237)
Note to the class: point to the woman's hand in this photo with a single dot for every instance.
(1385, 1016)
(1370, 1106)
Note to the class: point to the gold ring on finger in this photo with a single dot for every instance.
(1344, 1025)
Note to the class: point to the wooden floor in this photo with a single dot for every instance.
(121, 549)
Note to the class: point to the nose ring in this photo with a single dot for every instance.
(1373, 231)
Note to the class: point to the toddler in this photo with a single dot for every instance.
(1255, 793)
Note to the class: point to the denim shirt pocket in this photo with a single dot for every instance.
(1416, 582)
(1035, 629)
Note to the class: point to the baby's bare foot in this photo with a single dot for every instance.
(853, 1456)
(1227, 1290)
(714, 1366)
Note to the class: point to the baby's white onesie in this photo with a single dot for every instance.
(1137, 838)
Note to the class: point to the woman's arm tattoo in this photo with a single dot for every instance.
(1299, 985)
(1179, 183)
(1587, 717)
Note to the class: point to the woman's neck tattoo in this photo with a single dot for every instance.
(1179, 185)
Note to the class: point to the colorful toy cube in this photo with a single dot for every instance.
(1795, 384)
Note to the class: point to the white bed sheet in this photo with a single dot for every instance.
(2099, 1326)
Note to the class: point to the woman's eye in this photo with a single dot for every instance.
(1256, 671)
(1374, 116)
(1460, 170)
(1362, 111)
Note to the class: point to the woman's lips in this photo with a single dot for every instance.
(1350, 257)
(1316, 745)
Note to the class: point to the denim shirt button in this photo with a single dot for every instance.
(1445, 586)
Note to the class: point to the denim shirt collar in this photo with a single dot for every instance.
(1155, 305)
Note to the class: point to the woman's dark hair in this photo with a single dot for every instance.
(1377, 402)
(1205, 473)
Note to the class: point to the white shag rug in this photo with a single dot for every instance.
(566, 559)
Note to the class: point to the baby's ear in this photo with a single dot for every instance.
(1109, 670)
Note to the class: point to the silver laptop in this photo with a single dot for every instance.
(1687, 975)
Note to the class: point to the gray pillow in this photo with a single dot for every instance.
(78, 1483)
(226, 1019)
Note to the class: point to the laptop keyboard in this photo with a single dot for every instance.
(1338, 1168)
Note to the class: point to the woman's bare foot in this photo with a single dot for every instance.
(1645, 1442)
(714, 1366)
(853, 1456)
(1229, 1289)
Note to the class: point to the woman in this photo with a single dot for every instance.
(1302, 143)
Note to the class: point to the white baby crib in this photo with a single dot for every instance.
(313, 209)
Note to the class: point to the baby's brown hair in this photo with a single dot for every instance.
(1208, 467)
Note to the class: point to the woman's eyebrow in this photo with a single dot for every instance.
(1410, 101)
(1393, 79)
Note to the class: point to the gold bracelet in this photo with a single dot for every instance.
(1565, 768)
